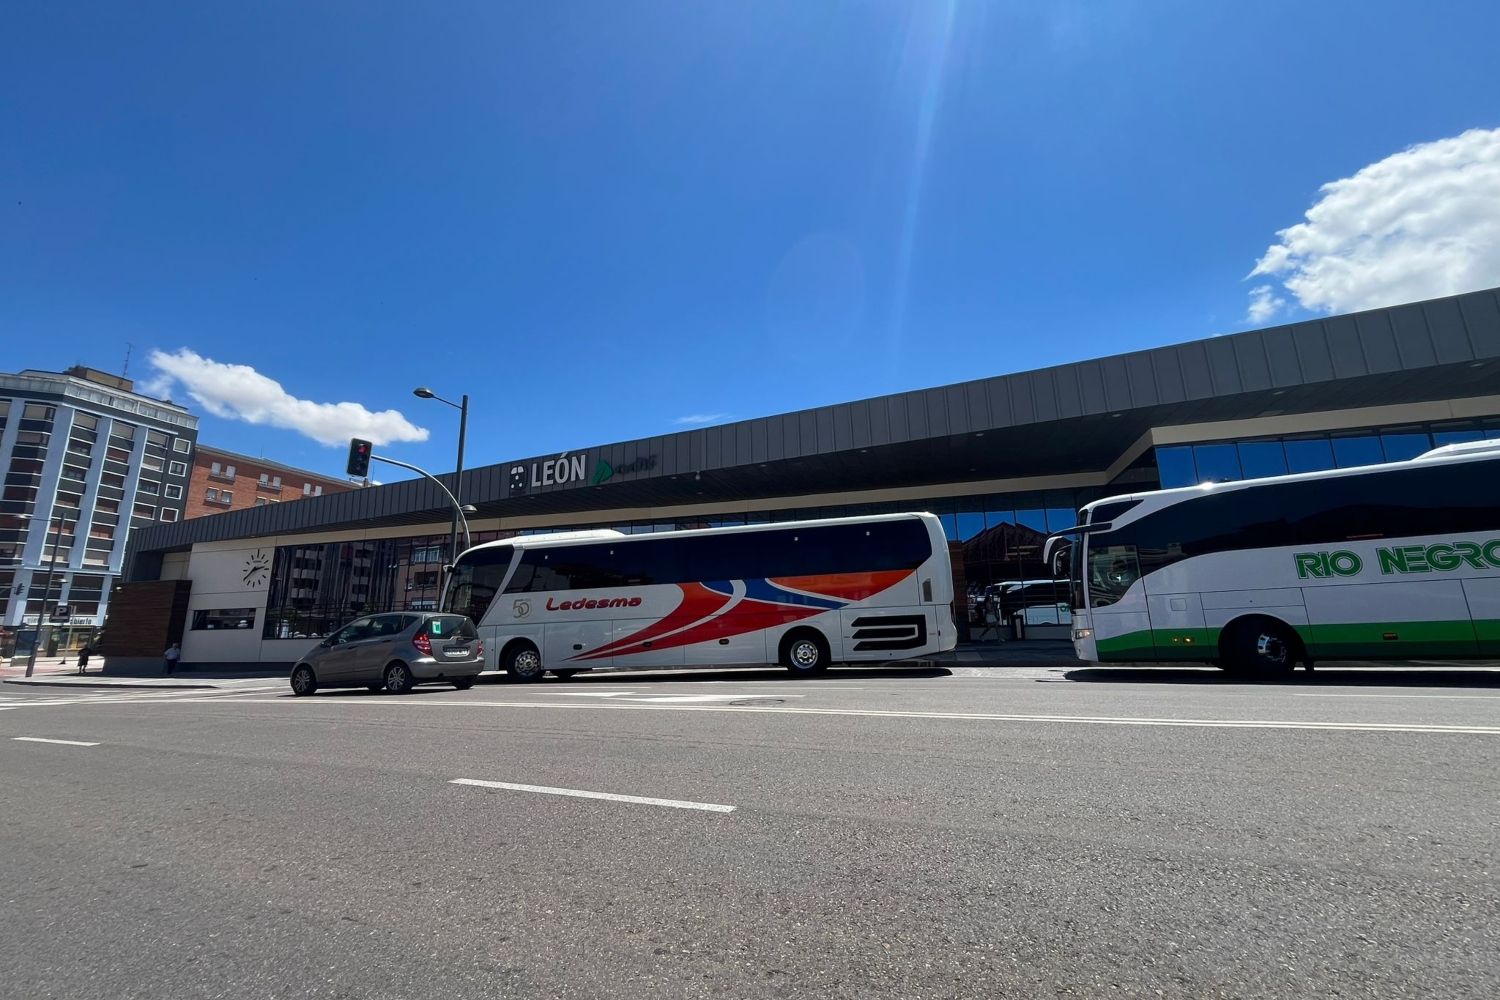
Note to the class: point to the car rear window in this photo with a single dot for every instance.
(450, 626)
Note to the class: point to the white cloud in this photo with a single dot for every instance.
(1264, 303)
(239, 392)
(1418, 224)
(700, 418)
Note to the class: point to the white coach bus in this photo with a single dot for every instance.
(803, 594)
(1396, 561)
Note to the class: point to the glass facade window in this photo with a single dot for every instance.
(1217, 463)
(1260, 459)
(1308, 454)
(1441, 437)
(224, 618)
(1176, 466)
(1403, 445)
(1351, 452)
(1222, 461)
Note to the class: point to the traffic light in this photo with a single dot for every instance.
(359, 458)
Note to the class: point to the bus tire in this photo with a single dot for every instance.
(1260, 648)
(804, 651)
(522, 662)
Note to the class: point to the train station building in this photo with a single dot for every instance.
(1003, 460)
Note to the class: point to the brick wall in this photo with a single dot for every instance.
(145, 617)
(244, 486)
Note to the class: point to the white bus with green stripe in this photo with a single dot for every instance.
(1391, 562)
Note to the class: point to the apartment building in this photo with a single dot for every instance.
(85, 459)
(226, 480)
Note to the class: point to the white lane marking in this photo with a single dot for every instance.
(675, 699)
(38, 739)
(618, 706)
(1456, 697)
(595, 694)
(579, 793)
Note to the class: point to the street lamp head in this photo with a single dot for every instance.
(422, 392)
(469, 508)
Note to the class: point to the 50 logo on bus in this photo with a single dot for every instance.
(1441, 557)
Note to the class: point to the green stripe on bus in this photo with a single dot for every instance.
(1343, 640)
(1400, 639)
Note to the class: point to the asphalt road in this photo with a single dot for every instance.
(866, 834)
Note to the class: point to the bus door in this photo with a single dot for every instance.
(1117, 600)
(576, 633)
(1178, 628)
(1484, 605)
(650, 634)
(1417, 618)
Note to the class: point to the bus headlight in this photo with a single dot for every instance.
(1083, 633)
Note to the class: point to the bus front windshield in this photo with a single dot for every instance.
(475, 580)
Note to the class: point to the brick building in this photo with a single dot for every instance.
(225, 480)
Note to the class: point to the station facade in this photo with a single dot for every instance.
(1002, 460)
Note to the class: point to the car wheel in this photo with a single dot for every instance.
(804, 652)
(304, 681)
(523, 664)
(463, 683)
(1260, 648)
(398, 678)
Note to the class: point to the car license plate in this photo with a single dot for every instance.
(456, 652)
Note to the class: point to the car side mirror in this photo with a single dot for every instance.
(326, 642)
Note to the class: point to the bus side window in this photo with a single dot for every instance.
(1112, 569)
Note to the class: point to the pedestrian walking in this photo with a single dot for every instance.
(171, 656)
(83, 660)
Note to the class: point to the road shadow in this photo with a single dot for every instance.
(1465, 677)
(360, 692)
(751, 674)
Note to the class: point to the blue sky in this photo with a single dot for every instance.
(600, 218)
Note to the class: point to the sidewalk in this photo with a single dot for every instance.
(130, 672)
(1011, 653)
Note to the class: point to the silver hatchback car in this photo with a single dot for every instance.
(392, 652)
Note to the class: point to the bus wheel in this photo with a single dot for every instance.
(803, 652)
(523, 664)
(1260, 647)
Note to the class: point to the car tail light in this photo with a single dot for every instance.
(423, 644)
(480, 650)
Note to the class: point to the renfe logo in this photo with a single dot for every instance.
(589, 604)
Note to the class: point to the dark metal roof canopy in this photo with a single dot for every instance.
(1066, 419)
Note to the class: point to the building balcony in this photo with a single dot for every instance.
(221, 477)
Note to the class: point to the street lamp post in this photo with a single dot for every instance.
(62, 522)
(422, 392)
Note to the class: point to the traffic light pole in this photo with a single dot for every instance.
(62, 522)
(458, 511)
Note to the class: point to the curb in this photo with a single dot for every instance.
(107, 683)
